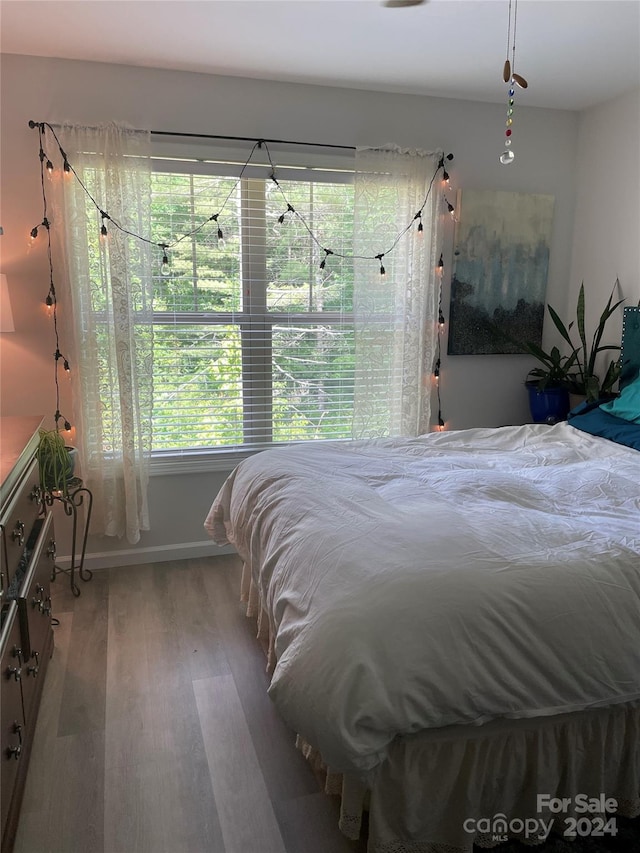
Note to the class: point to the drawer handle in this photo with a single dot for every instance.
(18, 533)
(34, 670)
(36, 494)
(38, 600)
(51, 550)
(14, 671)
(17, 653)
(14, 752)
(17, 730)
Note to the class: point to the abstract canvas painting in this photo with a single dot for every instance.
(501, 263)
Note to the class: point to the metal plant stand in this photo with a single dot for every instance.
(71, 502)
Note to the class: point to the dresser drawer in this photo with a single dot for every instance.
(19, 517)
(11, 718)
(34, 611)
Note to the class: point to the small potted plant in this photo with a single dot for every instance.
(56, 461)
(548, 385)
(583, 382)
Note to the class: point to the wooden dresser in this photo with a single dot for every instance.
(27, 556)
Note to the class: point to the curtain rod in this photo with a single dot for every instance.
(33, 124)
(250, 139)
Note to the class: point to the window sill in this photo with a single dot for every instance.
(165, 462)
(198, 461)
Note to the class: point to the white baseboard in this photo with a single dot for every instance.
(155, 554)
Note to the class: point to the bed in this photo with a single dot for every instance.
(454, 620)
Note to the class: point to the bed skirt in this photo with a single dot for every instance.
(444, 790)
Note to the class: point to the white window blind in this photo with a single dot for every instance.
(253, 340)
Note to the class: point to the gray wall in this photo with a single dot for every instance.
(476, 391)
(606, 241)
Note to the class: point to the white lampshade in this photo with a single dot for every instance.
(6, 314)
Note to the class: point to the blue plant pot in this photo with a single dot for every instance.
(548, 406)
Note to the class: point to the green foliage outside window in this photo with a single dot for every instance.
(253, 341)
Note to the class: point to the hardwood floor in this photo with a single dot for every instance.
(156, 734)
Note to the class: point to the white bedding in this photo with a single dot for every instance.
(454, 578)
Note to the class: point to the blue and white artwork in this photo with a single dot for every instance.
(501, 263)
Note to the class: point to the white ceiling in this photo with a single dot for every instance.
(574, 53)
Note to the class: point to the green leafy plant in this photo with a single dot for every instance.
(556, 370)
(582, 377)
(576, 371)
(55, 461)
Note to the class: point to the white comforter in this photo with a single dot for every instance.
(454, 578)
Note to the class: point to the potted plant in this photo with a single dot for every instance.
(583, 381)
(571, 377)
(548, 385)
(56, 461)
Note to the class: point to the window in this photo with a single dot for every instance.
(253, 340)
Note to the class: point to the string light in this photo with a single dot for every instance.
(103, 228)
(220, 235)
(323, 262)
(440, 426)
(165, 269)
(289, 209)
(51, 301)
(259, 144)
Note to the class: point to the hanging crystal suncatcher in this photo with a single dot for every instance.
(509, 76)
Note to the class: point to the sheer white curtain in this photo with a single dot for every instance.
(395, 315)
(110, 295)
